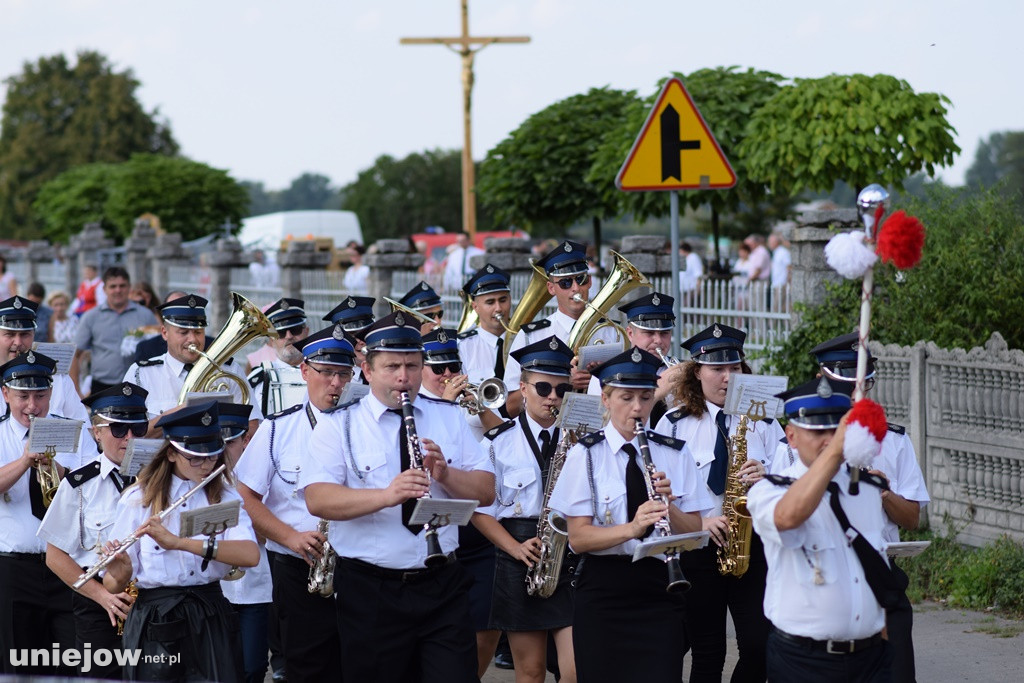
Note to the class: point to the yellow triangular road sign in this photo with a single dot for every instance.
(675, 149)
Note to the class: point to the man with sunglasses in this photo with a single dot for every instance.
(902, 503)
(355, 314)
(481, 347)
(270, 477)
(78, 521)
(444, 379)
(35, 607)
(423, 299)
(568, 277)
(184, 325)
(278, 383)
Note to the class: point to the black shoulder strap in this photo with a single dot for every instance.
(779, 480)
(674, 444)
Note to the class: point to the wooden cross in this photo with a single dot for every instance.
(466, 47)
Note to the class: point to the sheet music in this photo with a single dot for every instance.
(194, 398)
(678, 543)
(353, 391)
(62, 353)
(54, 432)
(443, 511)
(581, 409)
(755, 394)
(138, 454)
(209, 520)
(597, 353)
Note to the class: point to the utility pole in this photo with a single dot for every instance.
(466, 47)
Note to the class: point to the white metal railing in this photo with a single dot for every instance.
(260, 294)
(192, 279)
(51, 275)
(322, 290)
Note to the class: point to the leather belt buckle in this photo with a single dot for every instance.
(840, 647)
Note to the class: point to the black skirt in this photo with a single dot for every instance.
(184, 632)
(512, 608)
(626, 627)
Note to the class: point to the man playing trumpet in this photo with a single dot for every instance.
(481, 347)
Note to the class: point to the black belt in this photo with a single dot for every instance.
(34, 557)
(833, 647)
(520, 524)
(403, 575)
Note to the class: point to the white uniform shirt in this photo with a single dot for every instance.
(561, 326)
(164, 381)
(64, 400)
(518, 481)
(155, 567)
(279, 475)
(575, 490)
(358, 447)
(842, 606)
(478, 353)
(254, 588)
(475, 426)
(17, 523)
(701, 434)
(79, 519)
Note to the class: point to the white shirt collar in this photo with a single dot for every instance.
(377, 408)
(615, 440)
(563, 319)
(428, 393)
(491, 339)
(173, 364)
(535, 427)
(107, 466)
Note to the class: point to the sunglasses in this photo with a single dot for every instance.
(566, 282)
(454, 368)
(544, 388)
(119, 430)
(436, 315)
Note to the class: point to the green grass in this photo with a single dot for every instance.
(990, 577)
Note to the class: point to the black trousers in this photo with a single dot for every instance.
(707, 602)
(308, 623)
(92, 626)
(35, 613)
(405, 629)
(790, 662)
(899, 622)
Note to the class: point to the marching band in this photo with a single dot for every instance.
(272, 509)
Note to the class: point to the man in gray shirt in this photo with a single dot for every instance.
(102, 330)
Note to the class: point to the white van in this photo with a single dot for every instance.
(267, 232)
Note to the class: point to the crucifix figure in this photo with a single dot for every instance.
(466, 47)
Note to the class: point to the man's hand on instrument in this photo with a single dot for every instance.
(307, 544)
(412, 483)
(752, 472)
(117, 606)
(662, 485)
(718, 527)
(646, 515)
(454, 388)
(434, 460)
(527, 552)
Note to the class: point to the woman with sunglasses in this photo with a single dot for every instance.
(626, 627)
(715, 353)
(521, 451)
(78, 521)
(181, 619)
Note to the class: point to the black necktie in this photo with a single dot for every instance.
(636, 486)
(545, 445)
(188, 367)
(716, 479)
(35, 491)
(409, 506)
(119, 482)
(499, 361)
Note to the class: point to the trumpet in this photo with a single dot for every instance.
(490, 394)
(47, 473)
(669, 361)
(435, 557)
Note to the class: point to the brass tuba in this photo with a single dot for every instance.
(245, 324)
(469, 318)
(623, 279)
(530, 304)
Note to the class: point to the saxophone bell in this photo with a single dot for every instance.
(321, 574)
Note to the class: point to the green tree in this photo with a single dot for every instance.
(261, 201)
(999, 161)
(399, 197)
(189, 197)
(539, 175)
(59, 115)
(859, 129)
(309, 191)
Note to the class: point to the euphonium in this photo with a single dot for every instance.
(435, 557)
(734, 557)
(552, 529)
(321, 574)
(530, 304)
(245, 324)
(623, 279)
(469, 317)
(676, 581)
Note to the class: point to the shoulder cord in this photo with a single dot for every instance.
(497, 487)
(593, 484)
(347, 429)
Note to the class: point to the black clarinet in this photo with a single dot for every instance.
(435, 558)
(676, 581)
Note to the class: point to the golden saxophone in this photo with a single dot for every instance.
(734, 557)
(552, 529)
(321, 574)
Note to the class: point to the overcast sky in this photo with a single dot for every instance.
(269, 90)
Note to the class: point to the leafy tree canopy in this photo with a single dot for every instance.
(999, 161)
(189, 197)
(860, 129)
(59, 115)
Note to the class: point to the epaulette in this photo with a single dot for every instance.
(343, 406)
(674, 444)
(677, 414)
(767, 420)
(150, 362)
(898, 429)
(468, 333)
(83, 474)
(536, 325)
(592, 439)
(493, 432)
(286, 411)
(7, 415)
(779, 480)
(874, 480)
(256, 376)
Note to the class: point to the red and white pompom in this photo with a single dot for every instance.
(865, 429)
(900, 240)
(847, 254)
